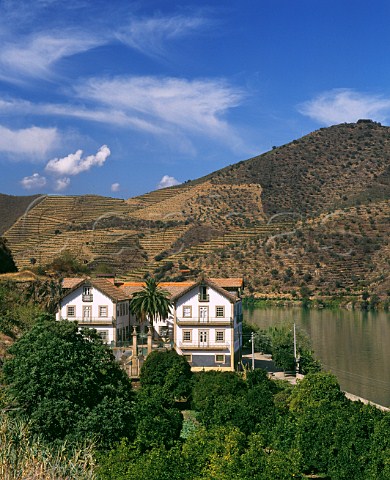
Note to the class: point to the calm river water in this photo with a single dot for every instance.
(354, 345)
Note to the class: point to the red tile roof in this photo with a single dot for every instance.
(103, 284)
(71, 282)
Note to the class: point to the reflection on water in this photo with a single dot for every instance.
(354, 345)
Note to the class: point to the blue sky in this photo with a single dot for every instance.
(118, 98)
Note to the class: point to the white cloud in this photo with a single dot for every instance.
(345, 105)
(167, 181)
(61, 184)
(197, 106)
(35, 56)
(74, 163)
(33, 141)
(148, 35)
(115, 187)
(35, 181)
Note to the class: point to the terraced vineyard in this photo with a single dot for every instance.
(313, 214)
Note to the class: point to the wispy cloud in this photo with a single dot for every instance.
(35, 181)
(197, 106)
(149, 35)
(33, 143)
(167, 181)
(115, 187)
(75, 163)
(345, 105)
(174, 109)
(35, 56)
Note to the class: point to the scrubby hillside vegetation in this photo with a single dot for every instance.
(307, 218)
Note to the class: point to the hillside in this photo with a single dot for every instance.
(313, 213)
(12, 207)
(327, 169)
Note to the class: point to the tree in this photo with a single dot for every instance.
(67, 263)
(168, 370)
(67, 384)
(7, 263)
(151, 302)
(157, 422)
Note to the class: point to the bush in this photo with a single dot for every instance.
(168, 370)
(67, 383)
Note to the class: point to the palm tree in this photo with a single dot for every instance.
(151, 302)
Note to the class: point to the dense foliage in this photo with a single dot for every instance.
(251, 427)
(279, 341)
(67, 384)
(16, 312)
(167, 370)
(69, 412)
(7, 263)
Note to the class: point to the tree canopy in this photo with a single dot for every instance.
(7, 263)
(151, 302)
(67, 384)
(168, 370)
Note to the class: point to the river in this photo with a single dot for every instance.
(354, 345)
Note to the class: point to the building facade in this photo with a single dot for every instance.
(98, 304)
(208, 326)
(204, 325)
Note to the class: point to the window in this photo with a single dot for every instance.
(219, 358)
(219, 312)
(187, 335)
(71, 311)
(87, 290)
(87, 294)
(187, 311)
(203, 295)
(104, 335)
(220, 336)
(103, 311)
(188, 357)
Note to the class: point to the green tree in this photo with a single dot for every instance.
(168, 370)
(67, 384)
(210, 387)
(157, 422)
(282, 347)
(67, 263)
(316, 407)
(7, 263)
(151, 302)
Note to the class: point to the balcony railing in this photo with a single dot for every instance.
(203, 297)
(222, 321)
(92, 320)
(204, 346)
(87, 298)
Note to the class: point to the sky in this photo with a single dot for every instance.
(120, 98)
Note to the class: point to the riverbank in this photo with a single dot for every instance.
(265, 362)
(350, 302)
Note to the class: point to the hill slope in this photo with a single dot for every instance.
(12, 207)
(313, 213)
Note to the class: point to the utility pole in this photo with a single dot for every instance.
(295, 346)
(253, 349)
(295, 352)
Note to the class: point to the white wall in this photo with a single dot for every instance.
(99, 299)
(215, 299)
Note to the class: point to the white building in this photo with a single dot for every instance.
(205, 323)
(97, 303)
(208, 325)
